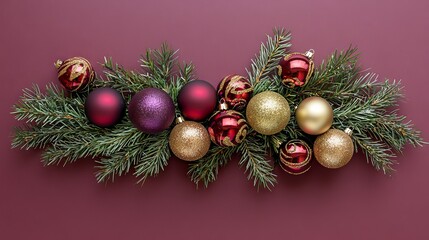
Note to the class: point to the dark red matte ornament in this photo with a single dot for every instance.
(197, 100)
(104, 107)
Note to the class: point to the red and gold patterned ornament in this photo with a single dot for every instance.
(74, 73)
(236, 90)
(295, 157)
(295, 69)
(227, 128)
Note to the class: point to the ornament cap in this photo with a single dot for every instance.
(58, 63)
(309, 53)
(179, 119)
(348, 131)
(223, 105)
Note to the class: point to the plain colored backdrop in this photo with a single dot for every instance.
(220, 37)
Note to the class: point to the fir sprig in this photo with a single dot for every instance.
(253, 158)
(206, 169)
(269, 55)
(154, 159)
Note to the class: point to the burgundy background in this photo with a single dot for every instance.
(220, 37)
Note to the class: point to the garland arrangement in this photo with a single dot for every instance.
(285, 108)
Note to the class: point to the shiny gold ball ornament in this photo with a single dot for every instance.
(333, 149)
(314, 115)
(268, 113)
(189, 140)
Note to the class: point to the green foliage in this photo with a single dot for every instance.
(253, 157)
(269, 56)
(56, 122)
(206, 169)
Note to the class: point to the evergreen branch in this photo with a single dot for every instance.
(338, 67)
(274, 83)
(30, 136)
(155, 157)
(117, 77)
(269, 56)
(159, 65)
(258, 168)
(51, 108)
(131, 150)
(118, 164)
(66, 152)
(186, 74)
(395, 132)
(336, 80)
(378, 153)
(206, 169)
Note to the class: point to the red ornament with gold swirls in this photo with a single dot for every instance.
(295, 157)
(295, 69)
(236, 90)
(227, 128)
(74, 73)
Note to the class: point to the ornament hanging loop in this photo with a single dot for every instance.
(58, 63)
(309, 53)
(223, 105)
(179, 119)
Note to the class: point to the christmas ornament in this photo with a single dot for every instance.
(295, 157)
(189, 140)
(314, 115)
(197, 100)
(74, 73)
(227, 128)
(295, 69)
(333, 149)
(236, 90)
(151, 110)
(104, 107)
(268, 113)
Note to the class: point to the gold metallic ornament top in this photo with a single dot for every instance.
(314, 115)
(189, 141)
(333, 149)
(268, 113)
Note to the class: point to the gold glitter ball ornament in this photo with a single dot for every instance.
(189, 140)
(268, 113)
(314, 115)
(333, 149)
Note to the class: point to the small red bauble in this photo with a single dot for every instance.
(74, 73)
(197, 100)
(227, 128)
(104, 107)
(295, 157)
(295, 69)
(236, 90)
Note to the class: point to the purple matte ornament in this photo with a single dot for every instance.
(151, 110)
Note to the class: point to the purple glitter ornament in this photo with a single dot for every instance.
(151, 110)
